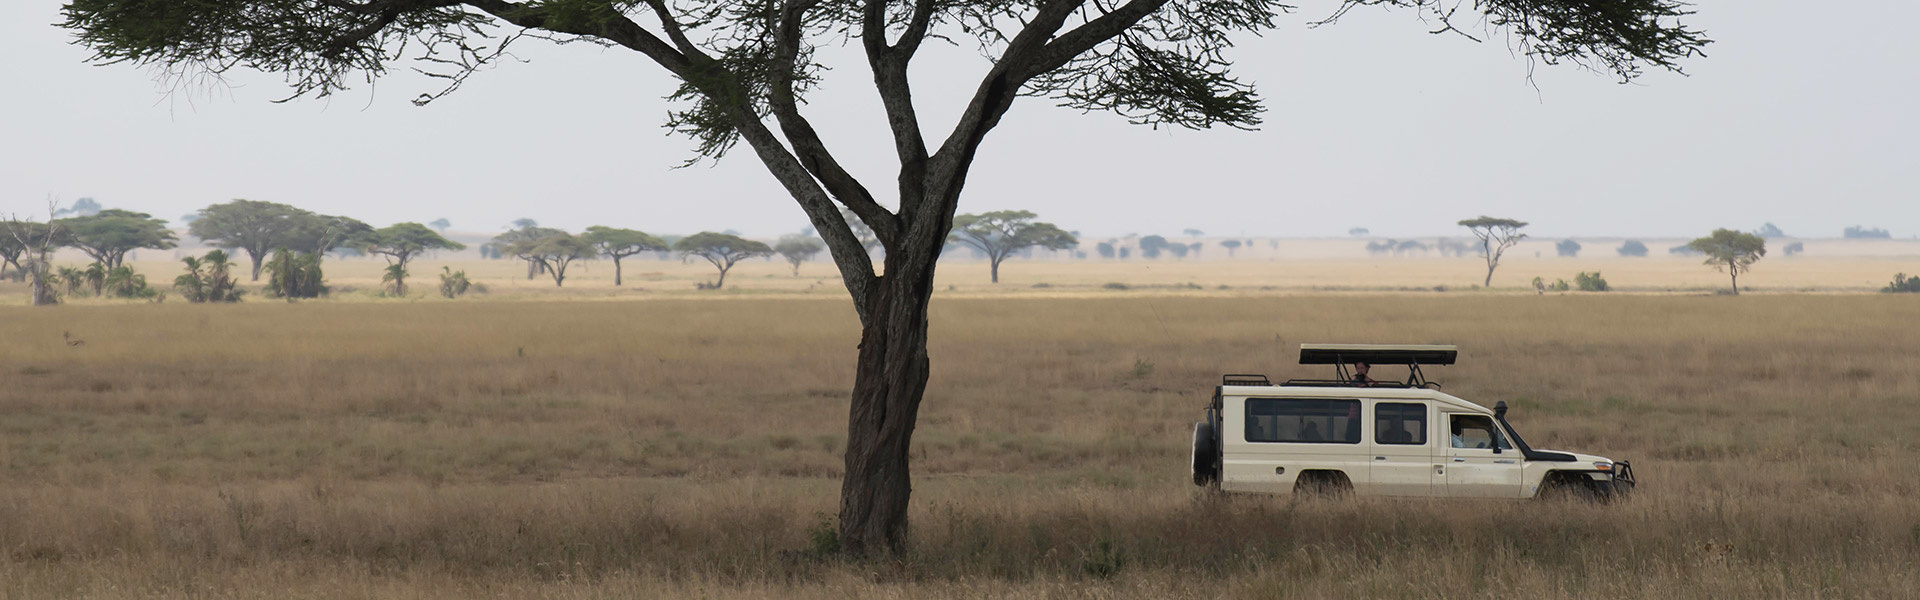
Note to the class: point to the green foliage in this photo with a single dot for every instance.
(122, 282)
(109, 235)
(295, 275)
(798, 249)
(1902, 284)
(1591, 282)
(1559, 285)
(1731, 252)
(999, 234)
(723, 250)
(453, 284)
(618, 244)
(208, 279)
(553, 250)
(402, 242)
(395, 279)
(824, 536)
(261, 227)
(1151, 246)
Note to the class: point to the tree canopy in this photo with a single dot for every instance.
(745, 68)
(254, 226)
(617, 244)
(1731, 252)
(1496, 236)
(798, 249)
(553, 252)
(723, 250)
(402, 242)
(1001, 233)
(110, 234)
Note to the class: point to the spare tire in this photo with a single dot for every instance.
(1206, 449)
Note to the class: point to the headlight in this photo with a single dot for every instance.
(1603, 466)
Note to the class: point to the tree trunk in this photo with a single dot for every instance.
(996, 270)
(616, 271)
(1736, 279)
(888, 386)
(1489, 282)
(723, 277)
(43, 294)
(256, 256)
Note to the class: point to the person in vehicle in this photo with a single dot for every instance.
(1360, 377)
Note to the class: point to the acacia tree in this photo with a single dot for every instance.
(553, 252)
(721, 249)
(109, 235)
(1731, 252)
(523, 230)
(254, 226)
(618, 243)
(1496, 236)
(745, 65)
(798, 249)
(1001, 233)
(400, 243)
(1231, 246)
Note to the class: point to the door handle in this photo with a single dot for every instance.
(1503, 462)
(1379, 458)
(1457, 459)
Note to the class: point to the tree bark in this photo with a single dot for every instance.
(616, 271)
(257, 257)
(996, 271)
(1489, 282)
(890, 380)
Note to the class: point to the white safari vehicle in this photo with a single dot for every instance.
(1380, 438)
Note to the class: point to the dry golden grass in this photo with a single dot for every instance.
(682, 448)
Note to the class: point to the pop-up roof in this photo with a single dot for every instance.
(1377, 354)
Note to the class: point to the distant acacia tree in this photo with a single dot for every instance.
(1731, 252)
(110, 234)
(84, 207)
(523, 230)
(1231, 246)
(254, 226)
(723, 250)
(618, 244)
(1793, 249)
(1633, 249)
(554, 252)
(441, 224)
(1567, 248)
(1770, 230)
(400, 243)
(1359, 232)
(798, 249)
(1496, 236)
(1193, 232)
(1001, 233)
(1104, 248)
(1151, 246)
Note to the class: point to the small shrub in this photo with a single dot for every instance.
(1142, 367)
(1633, 249)
(823, 536)
(208, 279)
(453, 284)
(1590, 282)
(1902, 284)
(122, 282)
(1560, 285)
(1117, 286)
(1042, 285)
(295, 275)
(1103, 561)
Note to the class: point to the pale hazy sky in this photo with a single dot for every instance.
(1802, 114)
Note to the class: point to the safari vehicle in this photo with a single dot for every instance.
(1380, 438)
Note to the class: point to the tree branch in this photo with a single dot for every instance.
(811, 150)
(889, 64)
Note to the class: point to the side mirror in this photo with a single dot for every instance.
(1500, 408)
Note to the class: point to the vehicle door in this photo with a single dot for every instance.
(1480, 463)
(1405, 460)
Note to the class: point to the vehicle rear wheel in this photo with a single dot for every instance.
(1204, 463)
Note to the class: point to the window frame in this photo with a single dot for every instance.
(1356, 408)
(1426, 421)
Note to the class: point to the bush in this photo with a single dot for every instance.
(453, 284)
(1567, 248)
(295, 275)
(122, 282)
(1633, 249)
(1794, 248)
(208, 279)
(1858, 232)
(1902, 284)
(1560, 285)
(1117, 286)
(1590, 282)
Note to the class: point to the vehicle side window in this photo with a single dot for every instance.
(1303, 421)
(1476, 431)
(1400, 423)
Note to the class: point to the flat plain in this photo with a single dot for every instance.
(514, 445)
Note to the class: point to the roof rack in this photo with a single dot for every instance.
(1385, 354)
(1341, 355)
(1246, 379)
